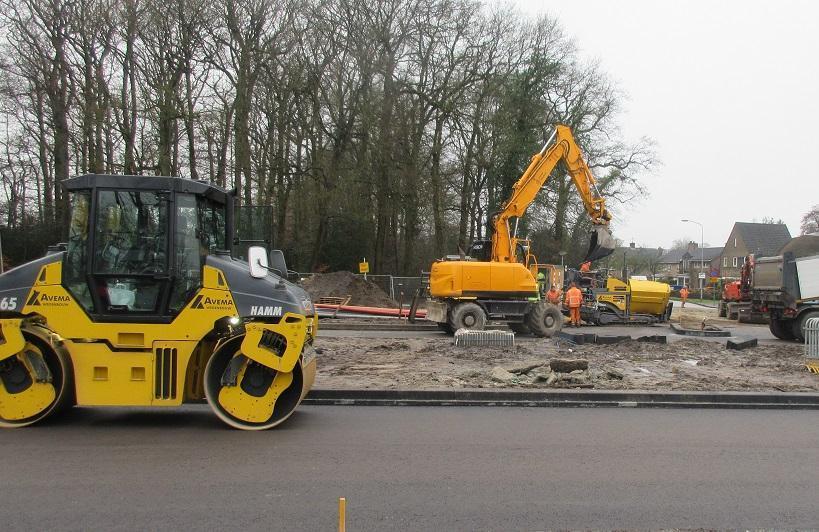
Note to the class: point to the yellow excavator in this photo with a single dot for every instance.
(497, 280)
(145, 306)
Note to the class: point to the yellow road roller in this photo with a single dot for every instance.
(144, 305)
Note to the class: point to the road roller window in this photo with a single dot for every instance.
(75, 257)
(214, 230)
(190, 250)
(130, 250)
(131, 233)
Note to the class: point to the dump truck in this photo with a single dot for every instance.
(145, 306)
(786, 288)
(497, 279)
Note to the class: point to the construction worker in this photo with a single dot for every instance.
(541, 283)
(553, 295)
(574, 298)
(585, 267)
(683, 295)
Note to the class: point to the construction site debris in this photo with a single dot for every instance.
(342, 284)
(433, 363)
(653, 339)
(501, 375)
(565, 365)
(741, 343)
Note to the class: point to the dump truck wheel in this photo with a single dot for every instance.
(247, 395)
(800, 324)
(468, 316)
(35, 384)
(519, 327)
(544, 320)
(782, 329)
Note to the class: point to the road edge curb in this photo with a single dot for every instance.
(563, 398)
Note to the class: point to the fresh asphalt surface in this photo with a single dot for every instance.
(406, 468)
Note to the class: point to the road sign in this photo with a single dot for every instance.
(714, 280)
(701, 275)
(364, 267)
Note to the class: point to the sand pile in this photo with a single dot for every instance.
(342, 284)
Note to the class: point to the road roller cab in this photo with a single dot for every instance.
(145, 306)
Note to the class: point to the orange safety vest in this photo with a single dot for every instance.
(684, 293)
(574, 297)
(553, 296)
(586, 266)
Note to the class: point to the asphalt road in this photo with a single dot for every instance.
(403, 468)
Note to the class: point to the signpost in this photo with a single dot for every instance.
(364, 267)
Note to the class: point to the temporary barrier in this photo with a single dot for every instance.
(812, 344)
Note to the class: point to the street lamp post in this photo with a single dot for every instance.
(562, 254)
(702, 252)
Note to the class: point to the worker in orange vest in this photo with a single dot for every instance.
(553, 295)
(574, 298)
(684, 295)
(585, 267)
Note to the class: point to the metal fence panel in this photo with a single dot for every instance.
(812, 340)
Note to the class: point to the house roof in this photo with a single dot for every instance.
(673, 256)
(763, 240)
(707, 253)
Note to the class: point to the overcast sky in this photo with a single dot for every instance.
(729, 90)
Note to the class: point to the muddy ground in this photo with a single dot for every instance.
(683, 364)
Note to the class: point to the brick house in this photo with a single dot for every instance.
(763, 240)
(680, 266)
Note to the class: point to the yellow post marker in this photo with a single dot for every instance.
(342, 514)
(364, 267)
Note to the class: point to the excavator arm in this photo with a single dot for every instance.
(561, 146)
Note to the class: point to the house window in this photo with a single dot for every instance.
(735, 261)
(725, 262)
(735, 245)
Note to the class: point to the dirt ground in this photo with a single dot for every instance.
(684, 364)
(342, 284)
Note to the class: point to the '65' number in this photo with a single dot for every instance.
(8, 303)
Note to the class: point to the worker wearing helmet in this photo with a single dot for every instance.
(574, 298)
(553, 295)
(541, 283)
(585, 267)
(683, 295)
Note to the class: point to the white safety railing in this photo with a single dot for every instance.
(812, 344)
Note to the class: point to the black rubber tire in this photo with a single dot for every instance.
(544, 319)
(468, 316)
(519, 327)
(782, 329)
(800, 324)
(445, 326)
(722, 310)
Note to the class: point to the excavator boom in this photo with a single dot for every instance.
(561, 146)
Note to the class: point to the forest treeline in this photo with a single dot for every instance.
(386, 129)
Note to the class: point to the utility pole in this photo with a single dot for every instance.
(702, 254)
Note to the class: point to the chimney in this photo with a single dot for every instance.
(692, 246)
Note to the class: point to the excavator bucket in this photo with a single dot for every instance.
(601, 244)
